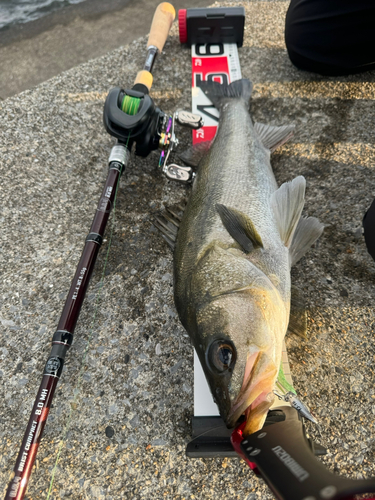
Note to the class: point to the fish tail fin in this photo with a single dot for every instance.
(218, 93)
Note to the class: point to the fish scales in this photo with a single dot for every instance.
(236, 172)
(235, 302)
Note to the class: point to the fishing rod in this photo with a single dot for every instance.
(133, 119)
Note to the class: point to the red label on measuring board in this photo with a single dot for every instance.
(211, 62)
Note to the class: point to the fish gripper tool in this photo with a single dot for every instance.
(284, 457)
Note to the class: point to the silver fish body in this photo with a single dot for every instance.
(232, 262)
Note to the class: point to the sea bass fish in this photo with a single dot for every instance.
(238, 238)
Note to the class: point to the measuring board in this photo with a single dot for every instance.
(218, 62)
(211, 62)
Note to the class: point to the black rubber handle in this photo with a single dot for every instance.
(285, 460)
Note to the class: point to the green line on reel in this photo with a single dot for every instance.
(130, 105)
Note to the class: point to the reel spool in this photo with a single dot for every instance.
(132, 116)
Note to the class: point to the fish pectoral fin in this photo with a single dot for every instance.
(240, 227)
(307, 232)
(273, 137)
(193, 155)
(298, 317)
(287, 204)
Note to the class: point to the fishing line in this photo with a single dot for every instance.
(208, 431)
(132, 108)
(144, 129)
(130, 105)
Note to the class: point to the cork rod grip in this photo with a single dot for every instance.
(161, 24)
(145, 78)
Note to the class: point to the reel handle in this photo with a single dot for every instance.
(161, 24)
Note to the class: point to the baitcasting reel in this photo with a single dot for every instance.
(132, 117)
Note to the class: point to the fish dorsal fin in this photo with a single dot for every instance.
(287, 204)
(193, 155)
(298, 317)
(307, 232)
(240, 227)
(273, 137)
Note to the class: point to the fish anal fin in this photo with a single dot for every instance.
(240, 227)
(298, 316)
(273, 137)
(168, 223)
(287, 204)
(308, 230)
(168, 230)
(193, 155)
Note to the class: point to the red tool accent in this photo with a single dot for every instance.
(182, 26)
(236, 439)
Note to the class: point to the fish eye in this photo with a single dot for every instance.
(222, 355)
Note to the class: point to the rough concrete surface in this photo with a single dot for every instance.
(33, 52)
(132, 398)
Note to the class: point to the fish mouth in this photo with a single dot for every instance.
(256, 394)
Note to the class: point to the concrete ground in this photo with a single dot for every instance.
(36, 51)
(123, 411)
